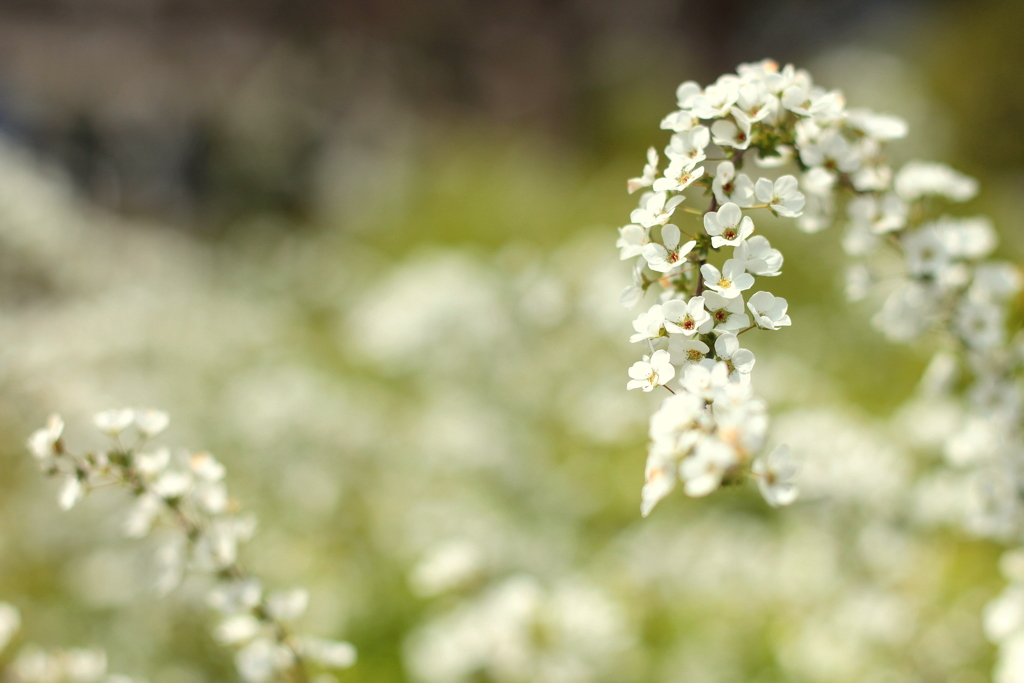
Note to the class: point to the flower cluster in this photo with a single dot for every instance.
(187, 491)
(713, 429)
(33, 664)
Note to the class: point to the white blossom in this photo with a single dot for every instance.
(663, 258)
(151, 422)
(783, 196)
(731, 281)
(632, 239)
(758, 257)
(740, 361)
(651, 372)
(728, 226)
(649, 174)
(726, 133)
(686, 317)
(729, 187)
(769, 311)
(113, 422)
(655, 209)
(43, 442)
(776, 476)
(727, 314)
(917, 179)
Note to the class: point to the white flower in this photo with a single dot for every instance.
(878, 216)
(651, 372)
(678, 176)
(333, 654)
(758, 257)
(832, 151)
(881, 127)
(740, 361)
(43, 442)
(686, 317)
(967, 238)
(152, 465)
(649, 324)
(920, 178)
(727, 314)
(687, 92)
(728, 226)
(769, 311)
(776, 476)
(703, 471)
(680, 121)
(725, 133)
(688, 351)
(230, 597)
(730, 281)
(754, 103)
(632, 239)
(260, 660)
(151, 422)
(172, 484)
(237, 629)
(783, 196)
(206, 467)
(655, 209)
(705, 382)
(649, 174)
(924, 252)
(728, 187)
(113, 422)
(142, 514)
(677, 425)
(287, 605)
(688, 148)
(801, 98)
(71, 492)
(664, 258)
(716, 99)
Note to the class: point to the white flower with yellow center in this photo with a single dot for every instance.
(686, 317)
(729, 187)
(671, 254)
(651, 372)
(730, 281)
(679, 175)
(728, 226)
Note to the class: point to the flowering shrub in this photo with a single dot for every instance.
(713, 430)
(187, 491)
(439, 446)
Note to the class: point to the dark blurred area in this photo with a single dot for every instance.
(199, 112)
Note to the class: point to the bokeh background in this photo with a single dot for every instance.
(363, 252)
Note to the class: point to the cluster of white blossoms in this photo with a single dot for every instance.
(186, 491)
(33, 664)
(713, 430)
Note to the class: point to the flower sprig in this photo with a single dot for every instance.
(714, 431)
(187, 492)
